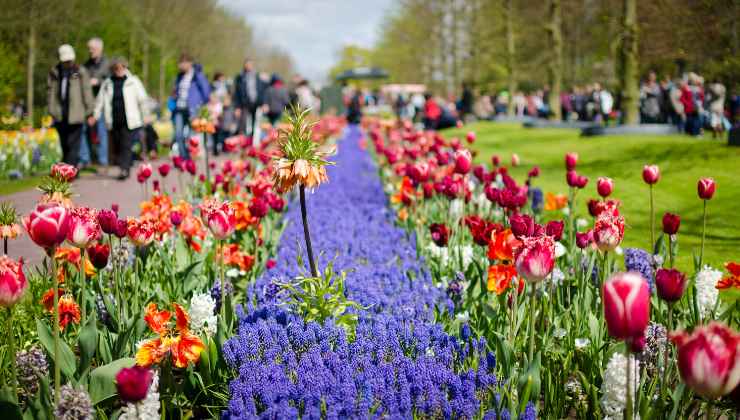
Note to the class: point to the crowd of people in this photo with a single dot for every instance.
(101, 109)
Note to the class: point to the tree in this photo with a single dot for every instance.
(628, 74)
(555, 68)
(510, 53)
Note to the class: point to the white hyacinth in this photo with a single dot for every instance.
(202, 318)
(440, 253)
(613, 389)
(557, 275)
(456, 209)
(466, 253)
(559, 250)
(483, 203)
(146, 409)
(706, 292)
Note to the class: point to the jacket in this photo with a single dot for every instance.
(80, 96)
(240, 97)
(276, 98)
(98, 70)
(134, 101)
(199, 90)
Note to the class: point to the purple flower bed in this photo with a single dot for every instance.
(399, 365)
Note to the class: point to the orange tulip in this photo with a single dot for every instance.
(183, 346)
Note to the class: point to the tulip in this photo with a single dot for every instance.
(554, 228)
(83, 227)
(276, 202)
(626, 305)
(176, 217)
(535, 259)
(705, 187)
(121, 229)
(584, 239)
(581, 182)
(428, 190)
(99, 254)
(594, 207)
(571, 177)
(259, 208)
(709, 359)
(650, 174)
(47, 225)
(440, 234)
(515, 160)
(133, 383)
(571, 159)
(495, 160)
(604, 186)
(671, 222)
(141, 231)
(463, 161)
(670, 283)
(220, 218)
(534, 172)
(270, 264)
(190, 166)
(164, 169)
(63, 172)
(608, 231)
(522, 225)
(107, 219)
(480, 172)
(144, 171)
(114, 207)
(12, 281)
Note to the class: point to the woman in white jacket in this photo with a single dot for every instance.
(122, 103)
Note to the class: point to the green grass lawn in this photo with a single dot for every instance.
(682, 160)
(8, 186)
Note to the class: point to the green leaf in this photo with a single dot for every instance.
(9, 403)
(88, 342)
(103, 379)
(66, 357)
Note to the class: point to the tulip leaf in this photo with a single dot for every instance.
(88, 342)
(103, 379)
(66, 357)
(9, 403)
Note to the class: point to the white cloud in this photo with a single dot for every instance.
(313, 31)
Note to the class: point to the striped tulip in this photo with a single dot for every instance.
(626, 305)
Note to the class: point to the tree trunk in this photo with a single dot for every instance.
(555, 68)
(31, 63)
(145, 64)
(510, 52)
(628, 53)
(162, 64)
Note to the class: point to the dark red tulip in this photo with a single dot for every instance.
(440, 234)
(671, 222)
(705, 187)
(522, 225)
(133, 383)
(554, 228)
(98, 254)
(670, 283)
(107, 220)
(584, 239)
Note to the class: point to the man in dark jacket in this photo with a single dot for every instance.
(98, 67)
(70, 101)
(191, 92)
(249, 92)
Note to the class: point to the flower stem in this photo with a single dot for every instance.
(11, 347)
(703, 236)
(205, 152)
(5, 246)
(628, 391)
(532, 316)
(83, 282)
(652, 221)
(55, 326)
(670, 250)
(667, 352)
(306, 233)
(223, 281)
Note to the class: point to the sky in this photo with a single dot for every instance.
(313, 31)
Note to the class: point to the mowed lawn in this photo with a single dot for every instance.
(682, 160)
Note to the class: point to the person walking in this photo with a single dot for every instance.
(190, 93)
(650, 97)
(276, 99)
(716, 99)
(99, 69)
(248, 95)
(122, 104)
(70, 101)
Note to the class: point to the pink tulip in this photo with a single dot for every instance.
(584, 239)
(651, 174)
(535, 258)
(571, 177)
(705, 187)
(604, 186)
(608, 231)
(626, 305)
(63, 172)
(670, 283)
(12, 281)
(164, 169)
(121, 229)
(571, 159)
(133, 383)
(259, 207)
(190, 166)
(581, 182)
(470, 137)
(709, 359)
(107, 220)
(144, 171)
(84, 228)
(219, 217)
(515, 160)
(463, 161)
(48, 224)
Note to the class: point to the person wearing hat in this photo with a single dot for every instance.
(70, 101)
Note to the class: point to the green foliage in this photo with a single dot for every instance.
(317, 299)
(296, 141)
(11, 72)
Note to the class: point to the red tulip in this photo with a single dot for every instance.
(670, 283)
(535, 258)
(571, 177)
(99, 254)
(48, 224)
(114, 207)
(164, 169)
(470, 137)
(554, 228)
(581, 182)
(84, 228)
(133, 383)
(480, 173)
(440, 234)
(608, 231)
(176, 217)
(495, 160)
(604, 186)
(594, 207)
(705, 188)
(141, 231)
(220, 218)
(121, 229)
(144, 171)
(571, 159)
(522, 225)
(650, 174)
(259, 207)
(584, 239)
(190, 166)
(463, 161)
(276, 202)
(626, 305)
(270, 264)
(12, 281)
(671, 222)
(534, 172)
(63, 172)
(107, 220)
(709, 359)
(428, 190)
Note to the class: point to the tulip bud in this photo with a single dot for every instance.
(554, 228)
(428, 190)
(121, 229)
(164, 169)
(515, 160)
(13, 282)
(63, 172)
(650, 174)
(670, 283)
(571, 177)
(571, 159)
(671, 222)
(440, 234)
(470, 137)
(581, 182)
(604, 186)
(98, 254)
(190, 166)
(535, 258)
(114, 207)
(594, 207)
(107, 220)
(626, 299)
(133, 383)
(522, 225)
(463, 161)
(495, 161)
(480, 172)
(709, 359)
(705, 188)
(584, 239)
(270, 264)
(175, 217)
(534, 172)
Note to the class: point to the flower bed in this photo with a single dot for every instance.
(27, 152)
